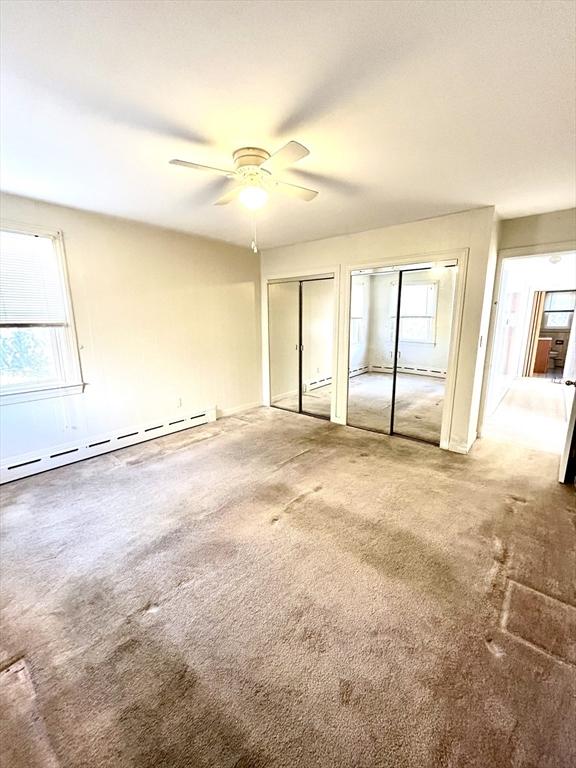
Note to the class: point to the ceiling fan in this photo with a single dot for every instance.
(254, 175)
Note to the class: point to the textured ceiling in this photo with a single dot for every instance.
(409, 109)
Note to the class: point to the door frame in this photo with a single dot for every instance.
(560, 248)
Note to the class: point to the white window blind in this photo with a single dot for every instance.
(38, 347)
(31, 281)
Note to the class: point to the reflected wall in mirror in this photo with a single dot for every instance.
(373, 299)
(300, 326)
(317, 342)
(284, 340)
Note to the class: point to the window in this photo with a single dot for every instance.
(38, 352)
(558, 309)
(418, 312)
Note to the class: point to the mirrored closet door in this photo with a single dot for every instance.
(300, 318)
(284, 344)
(400, 331)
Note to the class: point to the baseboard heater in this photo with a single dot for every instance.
(358, 371)
(32, 464)
(410, 369)
(318, 383)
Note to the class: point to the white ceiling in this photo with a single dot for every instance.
(409, 109)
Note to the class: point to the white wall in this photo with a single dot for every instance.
(284, 319)
(359, 354)
(166, 323)
(383, 322)
(317, 330)
(470, 231)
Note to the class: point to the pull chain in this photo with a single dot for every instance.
(254, 244)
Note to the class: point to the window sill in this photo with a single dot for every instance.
(11, 398)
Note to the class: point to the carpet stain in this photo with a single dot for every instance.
(394, 552)
(357, 632)
(345, 689)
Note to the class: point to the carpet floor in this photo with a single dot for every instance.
(533, 413)
(276, 590)
(418, 404)
(418, 411)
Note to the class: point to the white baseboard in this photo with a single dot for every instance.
(223, 412)
(292, 393)
(458, 447)
(33, 463)
(416, 371)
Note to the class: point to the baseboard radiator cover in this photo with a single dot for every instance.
(358, 371)
(417, 371)
(320, 382)
(25, 465)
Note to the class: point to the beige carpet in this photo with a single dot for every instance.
(418, 410)
(316, 402)
(275, 590)
(419, 402)
(532, 414)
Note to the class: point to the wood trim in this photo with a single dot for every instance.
(533, 332)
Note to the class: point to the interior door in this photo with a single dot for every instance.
(284, 344)
(317, 319)
(568, 456)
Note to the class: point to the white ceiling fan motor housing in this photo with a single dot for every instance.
(247, 162)
(249, 156)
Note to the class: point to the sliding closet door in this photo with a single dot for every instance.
(284, 340)
(317, 344)
(424, 331)
(374, 300)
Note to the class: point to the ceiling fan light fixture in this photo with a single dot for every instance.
(253, 196)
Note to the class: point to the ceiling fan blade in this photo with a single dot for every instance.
(230, 194)
(288, 154)
(197, 167)
(303, 193)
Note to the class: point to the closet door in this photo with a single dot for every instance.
(374, 301)
(284, 344)
(317, 318)
(423, 344)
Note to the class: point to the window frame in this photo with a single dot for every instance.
(546, 312)
(432, 318)
(66, 348)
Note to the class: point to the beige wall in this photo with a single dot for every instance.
(167, 323)
(438, 238)
(558, 227)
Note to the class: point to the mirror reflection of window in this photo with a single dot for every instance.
(418, 312)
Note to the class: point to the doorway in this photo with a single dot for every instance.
(530, 395)
(551, 322)
(401, 321)
(300, 322)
